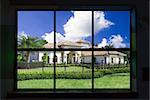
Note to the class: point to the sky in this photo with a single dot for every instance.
(110, 27)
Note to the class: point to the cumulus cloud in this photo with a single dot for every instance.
(103, 43)
(100, 22)
(80, 24)
(115, 40)
(49, 37)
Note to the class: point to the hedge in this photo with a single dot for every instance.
(68, 75)
(24, 65)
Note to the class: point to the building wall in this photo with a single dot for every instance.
(50, 54)
(101, 59)
(59, 59)
(87, 60)
(115, 59)
(37, 56)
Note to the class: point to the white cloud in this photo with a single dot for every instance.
(103, 43)
(80, 25)
(115, 40)
(49, 37)
(100, 22)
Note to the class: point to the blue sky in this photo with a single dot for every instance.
(122, 26)
(37, 23)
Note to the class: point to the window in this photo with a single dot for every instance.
(74, 50)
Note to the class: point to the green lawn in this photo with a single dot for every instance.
(108, 81)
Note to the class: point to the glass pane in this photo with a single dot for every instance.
(35, 29)
(112, 69)
(74, 70)
(35, 69)
(112, 29)
(73, 29)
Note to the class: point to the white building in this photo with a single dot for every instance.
(100, 57)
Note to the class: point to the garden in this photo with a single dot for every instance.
(74, 76)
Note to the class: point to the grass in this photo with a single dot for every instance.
(108, 81)
(113, 81)
(41, 83)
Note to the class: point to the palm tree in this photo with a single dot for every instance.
(30, 42)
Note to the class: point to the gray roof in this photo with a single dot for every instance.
(102, 53)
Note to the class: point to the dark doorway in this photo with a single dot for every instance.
(74, 59)
(67, 58)
(48, 59)
(105, 60)
(119, 60)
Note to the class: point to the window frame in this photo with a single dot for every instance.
(83, 49)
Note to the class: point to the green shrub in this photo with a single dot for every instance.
(23, 65)
(69, 74)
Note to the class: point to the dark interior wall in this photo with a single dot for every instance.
(8, 43)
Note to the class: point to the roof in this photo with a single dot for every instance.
(63, 43)
(69, 43)
(49, 45)
(83, 41)
(102, 53)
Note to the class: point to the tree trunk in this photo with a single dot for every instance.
(28, 59)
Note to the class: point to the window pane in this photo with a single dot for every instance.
(35, 29)
(112, 29)
(73, 29)
(113, 68)
(35, 69)
(74, 70)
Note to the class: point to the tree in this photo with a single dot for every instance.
(20, 57)
(45, 58)
(30, 42)
(108, 46)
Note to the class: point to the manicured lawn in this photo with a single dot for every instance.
(41, 83)
(120, 80)
(108, 81)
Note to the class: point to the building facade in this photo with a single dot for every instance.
(76, 57)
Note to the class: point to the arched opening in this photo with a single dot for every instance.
(72, 57)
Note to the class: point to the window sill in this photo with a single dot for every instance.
(48, 94)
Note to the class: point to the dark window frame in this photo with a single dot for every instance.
(73, 49)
